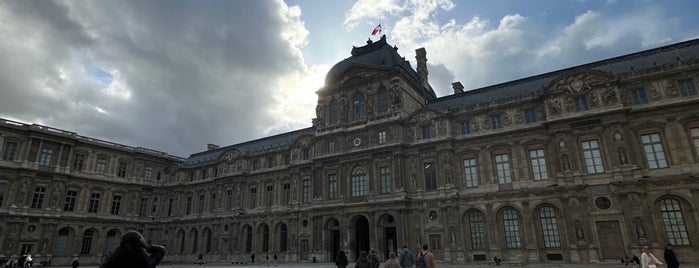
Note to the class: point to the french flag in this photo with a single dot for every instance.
(376, 30)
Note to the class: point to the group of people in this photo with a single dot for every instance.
(401, 259)
(648, 260)
(134, 253)
(24, 261)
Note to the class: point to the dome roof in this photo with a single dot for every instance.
(377, 53)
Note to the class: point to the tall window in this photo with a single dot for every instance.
(385, 177)
(496, 121)
(687, 87)
(655, 155)
(121, 171)
(143, 207)
(476, 224)
(639, 96)
(101, 166)
(148, 173)
(9, 150)
(284, 238)
(87, 242)
(71, 197)
(154, 206)
(671, 216)
(502, 166)
(549, 227)
(581, 103)
(471, 172)
(201, 203)
(253, 198)
(170, 204)
(694, 132)
(270, 162)
(265, 238)
(426, 133)
(382, 137)
(430, 176)
(3, 190)
(188, 207)
(248, 240)
(78, 162)
(360, 182)
(529, 115)
(538, 164)
(270, 195)
(38, 198)
(111, 242)
(359, 105)
(333, 112)
(94, 205)
(61, 246)
(382, 96)
(465, 127)
(331, 146)
(593, 157)
(287, 193)
(116, 205)
(332, 186)
(45, 158)
(510, 221)
(306, 191)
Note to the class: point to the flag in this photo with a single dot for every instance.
(376, 30)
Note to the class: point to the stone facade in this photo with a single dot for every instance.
(585, 164)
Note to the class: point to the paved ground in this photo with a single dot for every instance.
(440, 265)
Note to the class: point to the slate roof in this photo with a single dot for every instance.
(644, 62)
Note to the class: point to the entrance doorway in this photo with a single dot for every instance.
(361, 236)
(611, 243)
(390, 244)
(335, 244)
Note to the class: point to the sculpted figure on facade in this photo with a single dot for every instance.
(506, 118)
(369, 101)
(594, 99)
(555, 105)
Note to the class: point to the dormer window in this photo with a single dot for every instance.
(333, 112)
(359, 106)
(581, 103)
(382, 96)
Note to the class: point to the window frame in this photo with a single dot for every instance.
(654, 151)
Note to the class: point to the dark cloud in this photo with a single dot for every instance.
(185, 73)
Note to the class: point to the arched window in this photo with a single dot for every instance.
(195, 241)
(549, 227)
(87, 242)
(111, 242)
(61, 247)
(333, 112)
(358, 105)
(207, 233)
(284, 238)
(510, 221)
(248, 240)
(181, 234)
(382, 96)
(265, 238)
(476, 224)
(360, 182)
(671, 215)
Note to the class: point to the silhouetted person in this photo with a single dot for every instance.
(341, 260)
(252, 258)
(134, 253)
(671, 257)
(75, 263)
(362, 261)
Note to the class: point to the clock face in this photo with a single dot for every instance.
(357, 141)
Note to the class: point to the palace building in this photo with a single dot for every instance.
(584, 164)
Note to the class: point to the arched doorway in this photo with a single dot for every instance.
(333, 238)
(389, 242)
(361, 236)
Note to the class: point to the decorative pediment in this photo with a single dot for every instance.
(356, 75)
(424, 115)
(230, 155)
(579, 82)
(304, 141)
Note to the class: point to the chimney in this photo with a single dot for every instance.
(211, 146)
(421, 57)
(458, 87)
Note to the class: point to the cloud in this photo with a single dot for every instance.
(180, 74)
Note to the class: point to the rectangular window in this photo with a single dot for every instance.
(148, 173)
(332, 186)
(71, 197)
(331, 146)
(306, 191)
(529, 115)
(188, 208)
(581, 103)
(430, 177)
(255, 164)
(3, 190)
(476, 224)
(471, 172)
(170, 204)
(231, 168)
(143, 207)
(426, 134)
(270, 162)
(253, 198)
(38, 198)
(287, 193)
(639, 96)
(201, 203)
(385, 177)
(287, 159)
(9, 150)
(496, 121)
(549, 227)
(78, 162)
(45, 158)
(538, 164)
(270, 195)
(653, 148)
(121, 171)
(435, 242)
(502, 166)
(116, 205)
(382, 137)
(229, 199)
(465, 127)
(306, 153)
(694, 132)
(94, 205)
(511, 223)
(101, 166)
(687, 87)
(154, 206)
(593, 157)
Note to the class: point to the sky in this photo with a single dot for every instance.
(174, 76)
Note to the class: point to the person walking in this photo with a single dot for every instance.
(75, 262)
(133, 252)
(373, 258)
(362, 261)
(341, 260)
(671, 257)
(648, 260)
(406, 258)
(425, 258)
(392, 262)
